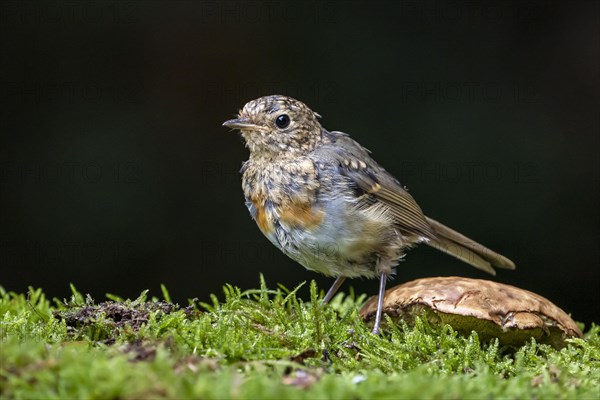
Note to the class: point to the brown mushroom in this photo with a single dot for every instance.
(492, 309)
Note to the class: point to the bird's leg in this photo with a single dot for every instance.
(334, 288)
(382, 282)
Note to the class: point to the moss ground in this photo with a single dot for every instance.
(265, 344)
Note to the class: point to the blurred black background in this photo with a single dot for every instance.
(116, 174)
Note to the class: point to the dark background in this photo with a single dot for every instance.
(116, 174)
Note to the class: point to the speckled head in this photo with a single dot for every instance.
(277, 126)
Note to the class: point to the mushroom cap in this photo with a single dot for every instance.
(491, 309)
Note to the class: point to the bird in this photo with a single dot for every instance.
(320, 197)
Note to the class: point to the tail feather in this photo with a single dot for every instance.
(457, 245)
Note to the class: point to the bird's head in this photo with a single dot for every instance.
(277, 126)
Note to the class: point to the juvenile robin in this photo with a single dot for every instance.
(322, 200)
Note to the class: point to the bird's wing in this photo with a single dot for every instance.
(353, 161)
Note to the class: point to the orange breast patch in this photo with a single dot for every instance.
(262, 217)
(301, 215)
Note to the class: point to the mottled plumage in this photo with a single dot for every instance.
(322, 200)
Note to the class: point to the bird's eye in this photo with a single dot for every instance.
(282, 121)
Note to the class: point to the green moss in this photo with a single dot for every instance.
(266, 344)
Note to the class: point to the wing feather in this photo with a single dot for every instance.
(354, 162)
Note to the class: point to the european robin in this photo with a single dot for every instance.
(321, 199)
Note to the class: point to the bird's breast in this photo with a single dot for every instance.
(282, 193)
(289, 212)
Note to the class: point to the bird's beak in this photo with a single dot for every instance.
(240, 123)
